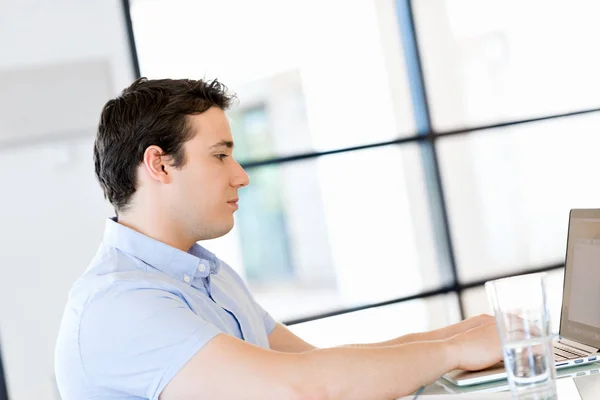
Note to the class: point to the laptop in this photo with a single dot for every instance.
(502, 385)
(578, 340)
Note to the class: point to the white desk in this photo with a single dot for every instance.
(585, 380)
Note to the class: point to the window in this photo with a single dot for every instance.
(369, 188)
(323, 88)
(521, 182)
(337, 231)
(494, 61)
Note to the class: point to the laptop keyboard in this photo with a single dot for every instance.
(564, 353)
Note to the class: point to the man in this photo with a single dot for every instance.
(156, 316)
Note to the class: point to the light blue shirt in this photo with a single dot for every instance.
(142, 310)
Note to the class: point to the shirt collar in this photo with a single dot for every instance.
(181, 265)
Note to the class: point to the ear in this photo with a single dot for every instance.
(156, 164)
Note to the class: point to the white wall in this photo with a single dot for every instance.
(51, 208)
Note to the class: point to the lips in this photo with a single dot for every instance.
(233, 204)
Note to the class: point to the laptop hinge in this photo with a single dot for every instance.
(577, 345)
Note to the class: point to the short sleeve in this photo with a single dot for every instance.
(267, 319)
(136, 340)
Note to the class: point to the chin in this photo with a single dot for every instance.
(217, 232)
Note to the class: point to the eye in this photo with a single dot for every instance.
(221, 156)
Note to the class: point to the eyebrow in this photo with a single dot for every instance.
(223, 143)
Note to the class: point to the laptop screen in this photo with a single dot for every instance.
(580, 314)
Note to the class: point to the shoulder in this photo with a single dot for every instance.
(113, 286)
(133, 332)
(227, 272)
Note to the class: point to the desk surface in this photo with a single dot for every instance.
(585, 378)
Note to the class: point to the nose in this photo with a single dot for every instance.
(240, 177)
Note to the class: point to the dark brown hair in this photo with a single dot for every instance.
(149, 112)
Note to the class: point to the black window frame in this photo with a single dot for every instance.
(427, 138)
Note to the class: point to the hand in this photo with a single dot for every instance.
(463, 326)
(477, 348)
(519, 328)
(474, 322)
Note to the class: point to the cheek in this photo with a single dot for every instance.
(203, 189)
(204, 195)
(193, 182)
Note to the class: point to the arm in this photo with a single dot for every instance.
(337, 373)
(437, 334)
(282, 339)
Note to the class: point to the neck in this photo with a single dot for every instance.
(158, 226)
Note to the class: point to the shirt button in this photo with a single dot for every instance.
(186, 278)
(202, 268)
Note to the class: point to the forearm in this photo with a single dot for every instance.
(375, 373)
(438, 334)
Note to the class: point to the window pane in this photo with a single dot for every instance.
(476, 302)
(318, 87)
(381, 323)
(497, 60)
(509, 191)
(335, 231)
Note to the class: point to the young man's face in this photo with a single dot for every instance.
(204, 192)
